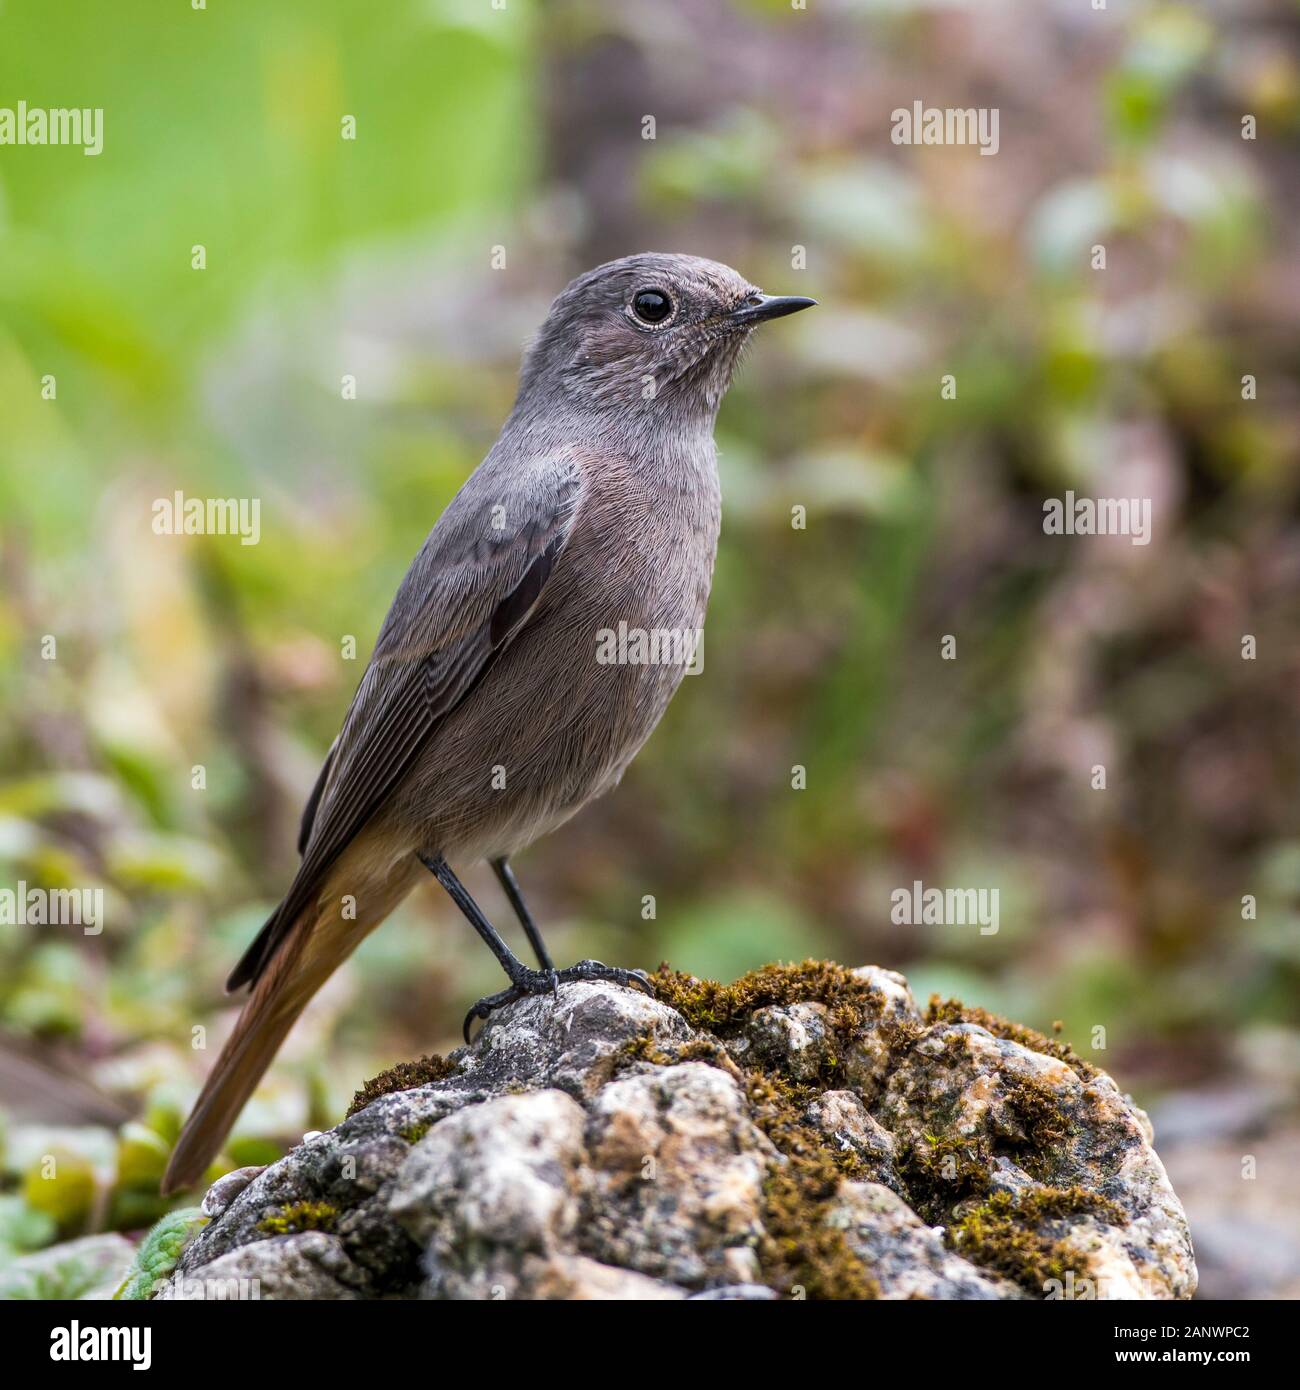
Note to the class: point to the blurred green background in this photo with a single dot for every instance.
(520, 130)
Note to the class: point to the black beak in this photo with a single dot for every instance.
(760, 307)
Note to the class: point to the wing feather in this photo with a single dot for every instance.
(468, 592)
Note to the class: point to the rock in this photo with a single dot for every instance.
(805, 1132)
(847, 1123)
(307, 1266)
(869, 1058)
(1051, 1129)
(907, 1257)
(676, 1173)
(227, 1188)
(492, 1185)
(737, 1293)
(793, 1035)
(577, 1277)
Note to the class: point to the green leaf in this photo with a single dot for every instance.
(159, 1252)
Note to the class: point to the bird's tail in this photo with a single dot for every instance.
(278, 997)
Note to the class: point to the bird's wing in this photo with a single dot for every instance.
(309, 810)
(471, 588)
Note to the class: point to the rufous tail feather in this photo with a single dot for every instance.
(270, 1012)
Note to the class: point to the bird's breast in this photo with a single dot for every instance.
(576, 693)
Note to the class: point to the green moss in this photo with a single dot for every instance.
(299, 1216)
(643, 1048)
(1053, 1203)
(159, 1252)
(1000, 1231)
(703, 1049)
(954, 1011)
(723, 1009)
(801, 1250)
(939, 1173)
(1037, 1109)
(402, 1077)
(943, 1170)
(414, 1133)
(1006, 1234)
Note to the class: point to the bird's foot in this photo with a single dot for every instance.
(548, 981)
(523, 982)
(594, 970)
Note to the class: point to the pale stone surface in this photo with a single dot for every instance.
(311, 1265)
(489, 1184)
(848, 1123)
(796, 1034)
(869, 1061)
(224, 1191)
(676, 1174)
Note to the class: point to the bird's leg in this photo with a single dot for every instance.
(505, 874)
(529, 981)
(585, 969)
(522, 980)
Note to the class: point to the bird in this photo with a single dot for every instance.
(490, 712)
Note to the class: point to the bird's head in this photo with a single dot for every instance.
(649, 335)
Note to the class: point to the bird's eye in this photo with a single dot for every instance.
(651, 306)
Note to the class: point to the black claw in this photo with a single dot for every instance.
(488, 1005)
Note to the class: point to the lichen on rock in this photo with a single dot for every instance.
(807, 1131)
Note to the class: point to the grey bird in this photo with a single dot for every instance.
(486, 718)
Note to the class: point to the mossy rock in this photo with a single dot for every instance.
(804, 1132)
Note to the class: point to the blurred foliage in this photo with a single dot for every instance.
(522, 128)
